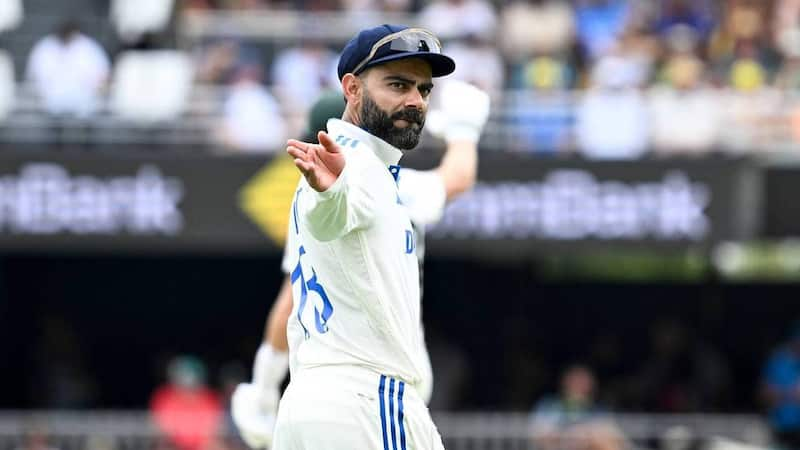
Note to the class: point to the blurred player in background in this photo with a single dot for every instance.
(459, 120)
(574, 418)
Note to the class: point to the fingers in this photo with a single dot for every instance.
(297, 152)
(304, 166)
(326, 141)
(303, 155)
(299, 144)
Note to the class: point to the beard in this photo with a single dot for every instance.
(380, 124)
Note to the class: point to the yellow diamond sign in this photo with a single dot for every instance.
(267, 197)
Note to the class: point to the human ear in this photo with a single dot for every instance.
(352, 86)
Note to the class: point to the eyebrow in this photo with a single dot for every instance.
(425, 85)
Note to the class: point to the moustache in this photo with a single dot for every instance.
(410, 115)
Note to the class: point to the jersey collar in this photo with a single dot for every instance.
(387, 153)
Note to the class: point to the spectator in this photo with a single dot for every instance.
(695, 14)
(252, 120)
(543, 73)
(640, 48)
(786, 17)
(740, 48)
(299, 75)
(573, 419)
(218, 61)
(69, 71)
(685, 115)
(474, 51)
(623, 134)
(542, 116)
(454, 19)
(788, 76)
(366, 13)
(781, 390)
(185, 409)
(600, 23)
(746, 69)
(552, 35)
(542, 69)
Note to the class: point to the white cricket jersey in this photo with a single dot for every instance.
(422, 193)
(351, 257)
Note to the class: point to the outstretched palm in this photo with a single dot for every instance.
(320, 163)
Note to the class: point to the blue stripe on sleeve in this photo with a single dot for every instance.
(383, 412)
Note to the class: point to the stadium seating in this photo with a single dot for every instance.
(10, 14)
(143, 16)
(151, 86)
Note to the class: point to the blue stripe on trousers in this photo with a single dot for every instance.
(400, 416)
(383, 412)
(391, 413)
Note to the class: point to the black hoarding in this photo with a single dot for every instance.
(523, 206)
(782, 211)
(95, 202)
(168, 203)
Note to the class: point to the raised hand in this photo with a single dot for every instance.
(461, 114)
(320, 163)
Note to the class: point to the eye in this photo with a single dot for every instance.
(425, 91)
(397, 85)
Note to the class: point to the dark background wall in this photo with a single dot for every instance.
(499, 335)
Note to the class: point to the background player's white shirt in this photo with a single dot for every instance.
(423, 195)
(350, 254)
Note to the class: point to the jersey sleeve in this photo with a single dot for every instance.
(290, 246)
(349, 204)
(423, 194)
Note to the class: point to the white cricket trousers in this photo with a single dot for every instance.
(352, 408)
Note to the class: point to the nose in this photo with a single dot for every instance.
(414, 99)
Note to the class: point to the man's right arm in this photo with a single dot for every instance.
(340, 198)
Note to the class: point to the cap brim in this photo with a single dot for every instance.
(441, 65)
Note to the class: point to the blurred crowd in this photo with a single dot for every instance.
(608, 79)
(680, 76)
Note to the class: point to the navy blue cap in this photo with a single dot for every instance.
(360, 46)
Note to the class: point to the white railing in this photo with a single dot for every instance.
(765, 122)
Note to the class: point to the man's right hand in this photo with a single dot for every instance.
(254, 411)
(320, 163)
